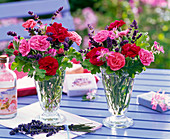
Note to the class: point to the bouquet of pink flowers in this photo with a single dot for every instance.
(119, 51)
(46, 51)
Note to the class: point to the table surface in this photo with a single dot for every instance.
(148, 124)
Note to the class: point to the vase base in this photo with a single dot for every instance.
(51, 119)
(118, 122)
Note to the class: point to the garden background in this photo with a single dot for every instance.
(152, 16)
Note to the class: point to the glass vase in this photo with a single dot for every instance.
(49, 95)
(118, 91)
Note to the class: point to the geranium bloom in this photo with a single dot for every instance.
(116, 24)
(52, 52)
(49, 64)
(130, 50)
(39, 43)
(75, 37)
(112, 35)
(56, 31)
(158, 47)
(116, 61)
(24, 48)
(146, 57)
(123, 33)
(101, 36)
(29, 24)
(93, 56)
(102, 54)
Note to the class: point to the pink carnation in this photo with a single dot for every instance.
(116, 61)
(74, 37)
(123, 33)
(39, 43)
(101, 36)
(146, 57)
(24, 48)
(29, 24)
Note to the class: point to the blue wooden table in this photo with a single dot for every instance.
(148, 123)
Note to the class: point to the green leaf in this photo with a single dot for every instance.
(14, 65)
(9, 51)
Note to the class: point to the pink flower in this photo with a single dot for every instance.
(39, 43)
(158, 47)
(52, 52)
(146, 57)
(123, 33)
(74, 37)
(101, 36)
(116, 61)
(112, 35)
(29, 24)
(24, 48)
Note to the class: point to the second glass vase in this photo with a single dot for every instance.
(118, 91)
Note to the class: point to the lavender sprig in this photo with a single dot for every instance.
(38, 127)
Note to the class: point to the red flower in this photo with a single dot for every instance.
(15, 52)
(60, 51)
(56, 31)
(130, 50)
(11, 46)
(116, 61)
(116, 24)
(49, 64)
(92, 55)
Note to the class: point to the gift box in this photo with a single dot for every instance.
(151, 101)
(79, 84)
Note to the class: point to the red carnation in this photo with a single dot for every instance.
(11, 46)
(49, 64)
(130, 50)
(56, 31)
(92, 55)
(16, 52)
(116, 24)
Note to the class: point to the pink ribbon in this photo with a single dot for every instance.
(160, 99)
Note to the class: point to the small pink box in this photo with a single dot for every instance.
(79, 84)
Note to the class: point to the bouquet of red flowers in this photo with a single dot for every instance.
(119, 51)
(46, 51)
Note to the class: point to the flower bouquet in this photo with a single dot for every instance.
(45, 56)
(119, 55)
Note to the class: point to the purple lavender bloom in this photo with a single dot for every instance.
(30, 12)
(36, 16)
(38, 56)
(106, 28)
(139, 36)
(49, 33)
(109, 42)
(134, 22)
(60, 9)
(114, 42)
(49, 39)
(31, 56)
(135, 32)
(116, 49)
(11, 33)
